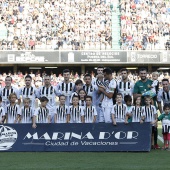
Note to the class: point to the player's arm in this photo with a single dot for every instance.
(17, 119)
(82, 119)
(109, 95)
(68, 118)
(34, 122)
(55, 118)
(142, 119)
(113, 116)
(160, 107)
(49, 118)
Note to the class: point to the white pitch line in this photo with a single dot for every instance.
(161, 139)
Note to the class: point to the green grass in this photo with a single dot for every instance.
(156, 159)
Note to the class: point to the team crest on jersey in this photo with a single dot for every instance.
(8, 137)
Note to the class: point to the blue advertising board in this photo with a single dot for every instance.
(75, 137)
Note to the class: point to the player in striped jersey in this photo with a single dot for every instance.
(7, 90)
(66, 87)
(78, 86)
(107, 102)
(128, 102)
(2, 112)
(125, 86)
(90, 113)
(99, 71)
(90, 88)
(42, 114)
(119, 110)
(150, 114)
(75, 112)
(82, 95)
(136, 111)
(49, 92)
(163, 94)
(61, 110)
(29, 91)
(12, 110)
(26, 111)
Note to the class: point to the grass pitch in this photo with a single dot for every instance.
(156, 159)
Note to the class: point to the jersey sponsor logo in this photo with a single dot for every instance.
(8, 137)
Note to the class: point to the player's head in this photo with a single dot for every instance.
(107, 72)
(12, 97)
(26, 102)
(8, 81)
(166, 108)
(78, 84)
(44, 100)
(47, 80)
(137, 101)
(82, 93)
(119, 97)
(88, 100)
(28, 80)
(62, 99)
(143, 73)
(66, 74)
(128, 100)
(100, 69)
(124, 73)
(165, 84)
(155, 75)
(88, 79)
(147, 99)
(75, 100)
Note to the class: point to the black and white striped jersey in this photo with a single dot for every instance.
(163, 96)
(76, 113)
(125, 88)
(12, 112)
(4, 93)
(119, 112)
(26, 114)
(2, 112)
(136, 113)
(66, 89)
(149, 113)
(82, 103)
(50, 93)
(30, 93)
(42, 115)
(61, 113)
(89, 114)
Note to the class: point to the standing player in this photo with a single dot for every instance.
(12, 111)
(66, 87)
(143, 85)
(7, 90)
(42, 114)
(119, 110)
(90, 111)
(29, 91)
(150, 115)
(90, 89)
(99, 71)
(75, 112)
(61, 111)
(50, 93)
(108, 92)
(26, 111)
(163, 94)
(125, 86)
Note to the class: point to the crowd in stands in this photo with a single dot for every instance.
(56, 24)
(145, 24)
(85, 24)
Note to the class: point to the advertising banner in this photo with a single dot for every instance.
(143, 56)
(93, 56)
(24, 57)
(75, 137)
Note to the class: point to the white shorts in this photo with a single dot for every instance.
(107, 114)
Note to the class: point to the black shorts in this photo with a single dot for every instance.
(154, 129)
